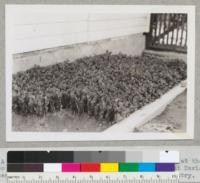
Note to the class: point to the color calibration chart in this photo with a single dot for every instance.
(92, 166)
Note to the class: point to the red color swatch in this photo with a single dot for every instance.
(90, 167)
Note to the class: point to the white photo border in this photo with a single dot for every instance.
(99, 136)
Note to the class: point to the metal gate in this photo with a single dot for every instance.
(168, 32)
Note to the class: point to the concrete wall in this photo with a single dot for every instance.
(43, 35)
(168, 54)
(132, 45)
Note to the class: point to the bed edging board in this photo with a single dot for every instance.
(147, 112)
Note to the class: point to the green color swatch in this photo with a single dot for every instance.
(128, 167)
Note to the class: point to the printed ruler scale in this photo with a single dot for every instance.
(94, 178)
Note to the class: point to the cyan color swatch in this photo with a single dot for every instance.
(147, 167)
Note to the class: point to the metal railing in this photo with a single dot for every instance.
(168, 32)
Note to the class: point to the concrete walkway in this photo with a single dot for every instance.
(173, 119)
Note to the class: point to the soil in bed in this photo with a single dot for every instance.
(106, 87)
(65, 122)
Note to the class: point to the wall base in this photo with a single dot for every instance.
(130, 44)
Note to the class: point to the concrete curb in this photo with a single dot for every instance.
(148, 112)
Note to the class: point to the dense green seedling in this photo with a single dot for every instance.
(107, 86)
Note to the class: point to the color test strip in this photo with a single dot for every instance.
(150, 156)
(40, 156)
(71, 167)
(109, 167)
(15, 167)
(25, 167)
(90, 167)
(52, 167)
(33, 167)
(165, 167)
(169, 157)
(92, 156)
(99, 156)
(147, 167)
(91, 161)
(133, 156)
(128, 167)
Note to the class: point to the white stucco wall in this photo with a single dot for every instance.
(34, 28)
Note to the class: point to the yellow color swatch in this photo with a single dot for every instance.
(109, 167)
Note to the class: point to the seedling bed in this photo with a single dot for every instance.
(108, 87)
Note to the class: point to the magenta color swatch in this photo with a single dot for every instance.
(71, 167)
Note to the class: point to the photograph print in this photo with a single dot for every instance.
(99, 72)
